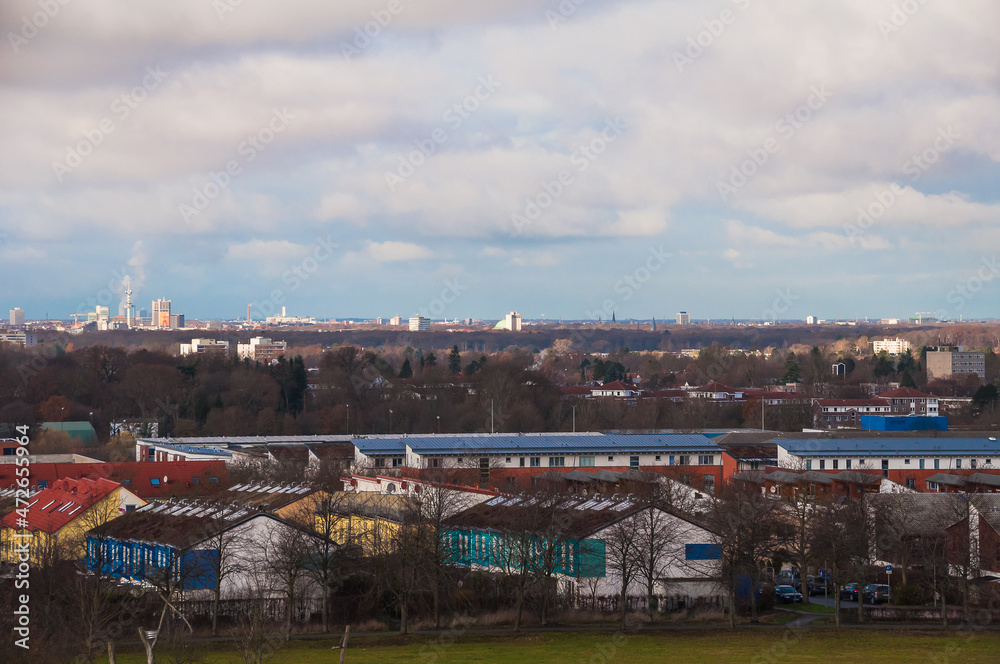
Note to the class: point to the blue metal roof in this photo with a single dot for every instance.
(538, 444)
(889, 446)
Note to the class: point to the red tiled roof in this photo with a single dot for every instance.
(614, 385)
(184, 478)
(53, 508)
(852, 402)
(715, 386)
(905, 392)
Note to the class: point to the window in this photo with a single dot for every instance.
(128, 482)
(434, 463)
(706, 459)
(885, 468)
(522, 462)
(932, 486)
(484, 470)
(154, 481)
(611, 458)
(213, 480)
(397, 462)
(195, 480)
(633, 462)
(129, 508)
(921, 463)
(937, 464)
(972, 463)
(508, 460)
(536, 462)
(43, 484)
(709, 484)
(657, 457)
(586, 461)
(809, 464)
(512, 481)
(822, 464)
(847, 464)
(836, 463)
(557, 462)
(380, 462)
(684, 460)
(911, 483)
(906, 461)
(686, 479)
(958, 463)
(9, 451)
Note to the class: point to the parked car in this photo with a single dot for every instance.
(877, 593)
(849, 592)
(820, 586)
(787, 594)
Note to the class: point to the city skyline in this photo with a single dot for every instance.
(715, 159)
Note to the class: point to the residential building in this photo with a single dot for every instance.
(906, 461)
(176, 321)
(908, 401)
(509, 461)
(837, 413)
(23, 339)
(161, 314)
(419, 324)
(717, 392)
(513, 321)
(261, 349)
(955, 361)
(200, 346)
(895, 346)
(810, 320)
(58, 517)
(683, 318)
(16, 317)
(395, 321)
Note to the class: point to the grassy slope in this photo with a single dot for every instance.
(708, 646)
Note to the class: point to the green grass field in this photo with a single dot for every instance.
(714, 646)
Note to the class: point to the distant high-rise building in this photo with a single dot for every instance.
(161, 313)
(395, 320)
(261, 349)
(810, 320)
(683, 318)
(895, 346)
(16, 316)
(513, 321)
(419, 323)
(378, 321)
(947, 362)
(176, 321)
(205, 346)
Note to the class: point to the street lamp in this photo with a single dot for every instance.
(439, 423)
(390, 420)
(348, 419)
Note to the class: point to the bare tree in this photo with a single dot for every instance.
(285, 556)
(623, 558)
(749, 528)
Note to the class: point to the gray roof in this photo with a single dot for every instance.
(826, 447)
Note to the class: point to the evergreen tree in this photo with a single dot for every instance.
(792, 370)
(406, 371)
(455, 361)
(907, 380)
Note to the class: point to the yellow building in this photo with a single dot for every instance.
(52, 526)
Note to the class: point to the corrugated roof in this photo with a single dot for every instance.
(184, 478)
(893, 446)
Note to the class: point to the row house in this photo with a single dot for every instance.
(841, 413)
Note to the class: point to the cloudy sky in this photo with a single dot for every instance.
(727, 158)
